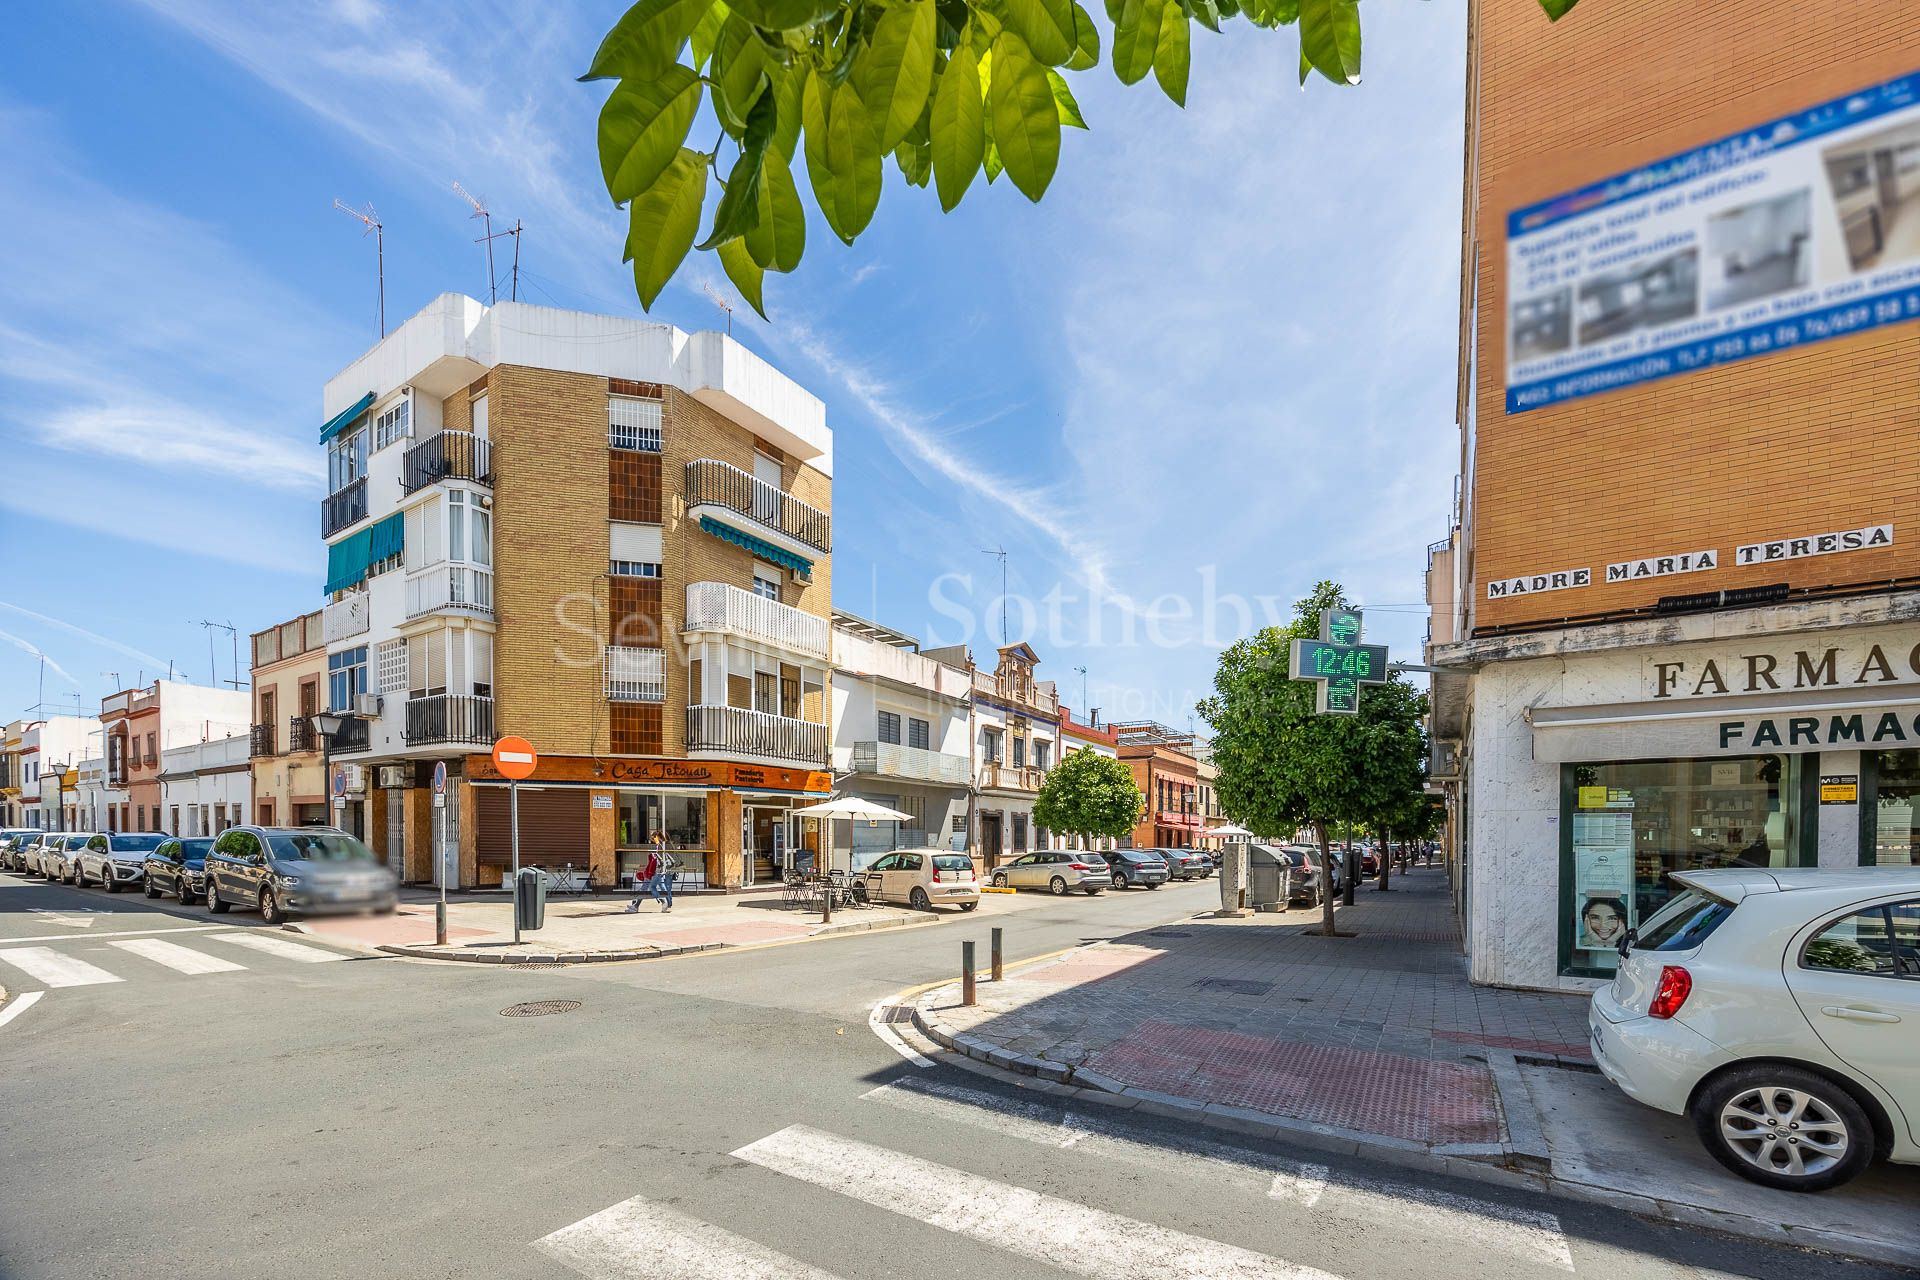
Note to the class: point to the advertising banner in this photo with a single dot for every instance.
(1799, 230)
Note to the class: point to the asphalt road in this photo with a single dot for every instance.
(181, 1102)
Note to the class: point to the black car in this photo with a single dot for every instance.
(1143, 867)
(179, 867)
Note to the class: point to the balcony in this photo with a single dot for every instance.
(450, 588)
(738, 731)
(349, 506)
(300, 736)
(910, 764)
(450, 717)
(260, 741)
(636, 675)
(353, 735)
(721, 485)
(716, 606)
(346, 617)
(995, 776)
(450, 455)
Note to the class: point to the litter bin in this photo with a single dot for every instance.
(530, 899)
(1267, 879)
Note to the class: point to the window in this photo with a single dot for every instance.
(142, 812)
(482, 673)
(394, 424)
(346, 677)
(1040, 754)
(633, 423)
(1019, 830)
(766, 692)
(766, 581)
(1019, 752)
(346, 459)
(479, 414)
(890, 727)
(152, 748)
(393, 666)
(457, 525)
(990, 745)
(918, 734)
(427, 664)
(633, 569)
(1883, 942)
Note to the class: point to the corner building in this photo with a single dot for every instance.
(1679, 603)
(604, 535)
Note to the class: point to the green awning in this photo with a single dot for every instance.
(759, 546)
(345, 418)
(347, 559)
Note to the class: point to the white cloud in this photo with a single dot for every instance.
(94, 637)
(33, 650)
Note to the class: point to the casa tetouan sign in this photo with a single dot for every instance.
(1339, 662)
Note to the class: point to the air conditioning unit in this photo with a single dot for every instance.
(803, 576)
(366, 705)
(392, 775)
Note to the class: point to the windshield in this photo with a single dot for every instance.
(136, 844)
(1682, 924)
(318, 845)
(952, 862)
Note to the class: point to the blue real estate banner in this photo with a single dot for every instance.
(1801, 229)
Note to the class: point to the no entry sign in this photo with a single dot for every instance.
(515, 758)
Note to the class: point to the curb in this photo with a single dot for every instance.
(431, 951)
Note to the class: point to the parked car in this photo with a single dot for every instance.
(1054, 870)
(922, 878)
(308, 870)
(1779, 1010)
(115, 860)
(1307, 879)
(59, 854)
(177, 866)
(26, 853)
(12, 840)
(1128, 867)
(1186, 864)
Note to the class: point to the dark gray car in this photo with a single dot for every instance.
(178, 867)
(304, 870)
(1144, 867)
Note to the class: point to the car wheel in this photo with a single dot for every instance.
(1784, 1127)
(108, 881)
(999, 882)
(180, 891)
(214, 904)
(148, 887)
(968, 906)
(1059, 887)
(918, 900)
(270, 907)
(1120, 880)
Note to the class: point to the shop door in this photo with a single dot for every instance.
(763, 838)
(990, 839)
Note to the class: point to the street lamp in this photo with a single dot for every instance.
(326, 725)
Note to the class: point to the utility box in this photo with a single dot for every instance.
(530, 899)
(1233, 863)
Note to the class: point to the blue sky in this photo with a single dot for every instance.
(1220, 352)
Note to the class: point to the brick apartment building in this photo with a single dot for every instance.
(604, 535)
(1680, 600)
(1169, 777)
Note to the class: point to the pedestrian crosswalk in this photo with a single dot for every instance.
(119, 959)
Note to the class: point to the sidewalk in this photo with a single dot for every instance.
(1379, 1043)
(583, 929)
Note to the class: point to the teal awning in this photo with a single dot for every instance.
(759, 546)
(347, 559)
(345, 418)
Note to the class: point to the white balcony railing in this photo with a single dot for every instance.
(345, 617)
(636, 675)
(757, 733)
(913, 764)
(450, 588)
(716, 606)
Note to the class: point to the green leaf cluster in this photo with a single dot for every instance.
(1090, 795)
(946, 89)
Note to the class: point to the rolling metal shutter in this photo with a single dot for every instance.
(553, 827)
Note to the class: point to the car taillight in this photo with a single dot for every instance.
(1676, 984)
(1078, 866)
(936, 875)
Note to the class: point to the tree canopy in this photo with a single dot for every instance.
(948, 89)
(1088, 794)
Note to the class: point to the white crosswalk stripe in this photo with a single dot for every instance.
(1043, 1228)
(277, 947)
(56, 970)
(640, 1239)
(178, 958)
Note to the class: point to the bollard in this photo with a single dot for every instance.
(439, 924)
(966, 974)
(996, 954)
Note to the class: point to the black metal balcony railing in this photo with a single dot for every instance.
(449, 455)
(300, 735)
(725, 485)
(260, 741)
(450, 717)
(353, 735)
(343, 508)
(722, 728)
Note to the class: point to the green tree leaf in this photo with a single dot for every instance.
(642, 127)
(1063, 99)
(1047, 27)
(1026, 119)
(1558, 9)
(1091, 795)
(915, 160)
(662, 222)
(707, 32)
(784, 15)
(1086, 41)
(895, 73)
(745, 273)
(959, 126)
(739, 207)
(740, 67)
(843, 156)
(1330, 38)
(1172, 57)
(646, 40)
(1136, 38)
(1205, 12)
(779, 236)
(787, 85)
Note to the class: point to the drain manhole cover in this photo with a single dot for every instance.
(1169, 933)
(539, 1008)
(895, 1013)
(1238, 986)
(537, 964)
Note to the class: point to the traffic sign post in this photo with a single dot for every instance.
(515, 758)
(1339, 662)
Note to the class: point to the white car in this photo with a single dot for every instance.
(923, 879)
(114, 860)
(1780, 1011)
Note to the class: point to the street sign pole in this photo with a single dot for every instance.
(515, 758)
(513, 821)
(440, 850)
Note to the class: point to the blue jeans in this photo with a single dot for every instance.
(662, 887)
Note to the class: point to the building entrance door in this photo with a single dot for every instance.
(989, 840)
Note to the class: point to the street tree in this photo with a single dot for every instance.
(1090, 795)
(946, 89)
(1393, 761)
(1415, 820)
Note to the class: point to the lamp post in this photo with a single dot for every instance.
(326, 724)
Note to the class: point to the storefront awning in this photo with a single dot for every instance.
(345, 418)
(1844, 719)
(347, 559)
(759, 546)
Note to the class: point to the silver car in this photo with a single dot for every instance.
(1055, 871)
(116, 860)
(305, 870)
(59, 854)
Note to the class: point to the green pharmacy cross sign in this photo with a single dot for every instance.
(1339, 662)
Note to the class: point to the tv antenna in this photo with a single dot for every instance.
(1002, 553)
(714, 297)
(213, 676)
(485, 215)
(374, 226)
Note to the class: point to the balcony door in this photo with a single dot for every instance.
(766, 494)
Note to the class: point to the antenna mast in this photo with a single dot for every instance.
(1002, 553)
(721, 303)
(213, 676)
(481, 212)
(373, 224)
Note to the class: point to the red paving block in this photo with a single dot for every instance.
(1384, 1093)
(407, 925)
(1516, 1042)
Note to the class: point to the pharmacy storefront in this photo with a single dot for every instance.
(1594, 776)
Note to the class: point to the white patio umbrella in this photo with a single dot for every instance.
(852, 807)
(1232, 831)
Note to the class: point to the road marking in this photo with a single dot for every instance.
(178, 958)
(1531, 1234)
(54, 969)
(640, 1239)
(1029, 1224)
(19, 1005)
(61, 917)
(118, 933)
(278, 947)
(891, 1038)
(1304, 1188)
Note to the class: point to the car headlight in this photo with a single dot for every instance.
(288, 882)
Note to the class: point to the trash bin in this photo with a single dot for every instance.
(1267, 879)
(530, 899)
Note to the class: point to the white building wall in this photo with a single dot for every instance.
(202, 784)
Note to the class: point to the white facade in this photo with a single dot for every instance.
(50, 752)
(205, 787)
(94, 798)
(195, 713)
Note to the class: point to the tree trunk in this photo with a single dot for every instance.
(1386, 856)
(1326, 881)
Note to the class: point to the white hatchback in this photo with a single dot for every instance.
(1780, 1011)
(923, 879)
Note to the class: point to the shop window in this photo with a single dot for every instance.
(1894, 777)
(1626, 827)
(680, 817)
